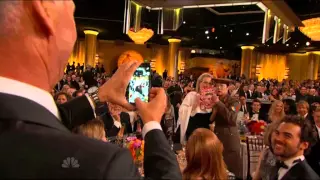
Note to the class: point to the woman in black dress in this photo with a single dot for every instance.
(196, 108)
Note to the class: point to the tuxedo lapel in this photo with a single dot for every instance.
(21, 109)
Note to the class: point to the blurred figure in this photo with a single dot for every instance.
(204, 157)
(276, 111)
(303, 109)
(92, 129)
(289, 107)
(62, 98)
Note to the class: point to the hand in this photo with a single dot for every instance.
(153, 110)
(114, 90)
(215, 98)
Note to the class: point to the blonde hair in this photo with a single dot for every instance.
(272, 114)
(92, 129)
(201, 77)
(204, 156)
(303, 103)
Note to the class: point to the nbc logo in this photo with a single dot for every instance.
(70, 163)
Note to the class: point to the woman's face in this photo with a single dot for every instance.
(205, 83)
(279, 108)
(286, 107)
(62, 99)
(274, 92)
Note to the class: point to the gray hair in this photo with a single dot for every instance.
(204, 75)
(10, 17)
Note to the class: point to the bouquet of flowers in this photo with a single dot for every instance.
(136, 147)
(205, 98)
(256, 127)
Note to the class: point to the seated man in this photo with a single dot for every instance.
(292, 138)
(255, 113)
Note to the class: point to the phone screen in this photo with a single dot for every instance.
(139, 85)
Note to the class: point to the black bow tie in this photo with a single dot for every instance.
(281, 164)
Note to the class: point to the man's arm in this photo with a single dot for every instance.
(160, 161)
(76, 112)
(228, 113)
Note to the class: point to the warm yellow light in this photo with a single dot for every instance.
(311, 28)
(91, 32)
(247, 47)
(173, 40)
(141, 36)
(269, 12)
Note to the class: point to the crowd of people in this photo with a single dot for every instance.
(60, 128)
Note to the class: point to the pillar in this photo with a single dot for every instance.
(90, 46)
(277, 29)
(172, 63)
(313, 66)
(137, 17)
(266, 26)
(247, 58)
(285, 34)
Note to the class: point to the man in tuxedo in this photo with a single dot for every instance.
(292, 138)
(313, 157)
(251, 92)
(34, 142)
(303, 110)
(243, 105)
(255, 112)
(302, 94)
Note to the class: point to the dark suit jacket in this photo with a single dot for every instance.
(261, 116)
(299, 171)
(313, 157)
(36, 145)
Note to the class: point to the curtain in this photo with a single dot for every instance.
(271, 66)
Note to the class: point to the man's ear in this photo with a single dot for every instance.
(44, 12)
(304, 145)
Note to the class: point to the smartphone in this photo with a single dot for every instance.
(140, 84)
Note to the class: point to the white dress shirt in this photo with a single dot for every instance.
(290, 164)
(32, 93)
(45, 99)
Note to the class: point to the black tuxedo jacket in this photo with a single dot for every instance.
(299, 171)
(36, 145)
(313, 157)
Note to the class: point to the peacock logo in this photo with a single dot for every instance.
(70, 162)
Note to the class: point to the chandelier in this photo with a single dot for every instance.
(141, 36)
(311, 28)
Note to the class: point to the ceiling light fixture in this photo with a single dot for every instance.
(184, 22)
(216, 37)
(308, 43)
(287, 45)
(230, 30)
(247, 34)
(206, 32)
(208, 37)
(311, 28)
(220, 47)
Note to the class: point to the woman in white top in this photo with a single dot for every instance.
(195, 110)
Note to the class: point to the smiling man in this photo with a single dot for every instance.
(289, 142)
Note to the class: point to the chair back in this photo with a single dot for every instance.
(255, 146)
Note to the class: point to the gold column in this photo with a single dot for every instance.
(247, 58)
(277, 29)
(266, 26)
(90, 46)
(137, 17)
(172, 63)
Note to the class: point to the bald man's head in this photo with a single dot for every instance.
(42, 31)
